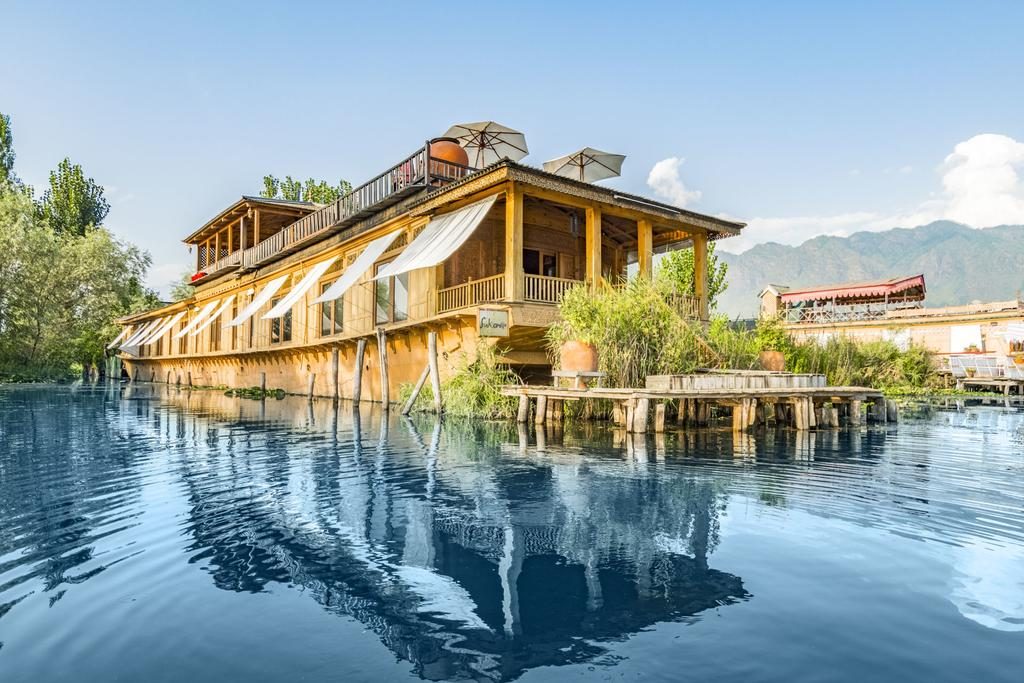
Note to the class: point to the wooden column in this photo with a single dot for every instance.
(357, 371)
(256, 227)
(593, 246)
(231, 240)
(515, 280)
(645, 247)
(216, 247)
(241, 233)
(700, 273)
(435, 375)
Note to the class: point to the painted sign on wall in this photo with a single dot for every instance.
(492, 322)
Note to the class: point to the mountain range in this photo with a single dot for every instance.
(960, 264)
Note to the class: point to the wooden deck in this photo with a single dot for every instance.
(754, 399)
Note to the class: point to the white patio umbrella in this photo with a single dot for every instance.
(486, 142)
(588, 165)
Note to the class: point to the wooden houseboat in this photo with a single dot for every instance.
(291, 294)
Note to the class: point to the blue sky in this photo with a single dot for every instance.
(801, 117)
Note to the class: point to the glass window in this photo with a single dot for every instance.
(549, 265)
(382, 309)
(280, 328)
(215, 335)
(331, 314)
(401, 296)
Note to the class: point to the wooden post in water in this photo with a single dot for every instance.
(524, 409)
(659, 417)
(630, 410)
(357, 377)
(335, 366)
(855, 412)
(542, 410)
(263, 382)
(189, 379)
(640, 412)
(311, 384)
(556, 412)
(407, 408)
(435, 375)
(739, 419)
(382, 351)
(892, 412)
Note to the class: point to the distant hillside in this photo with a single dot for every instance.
(960, 264)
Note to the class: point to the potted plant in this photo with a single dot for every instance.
(772, 341)
(572, 337)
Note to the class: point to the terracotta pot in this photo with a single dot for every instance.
(773, 361)
(446, 149)
(577, 356)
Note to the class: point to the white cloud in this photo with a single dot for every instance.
(665, 181)
(981, 187)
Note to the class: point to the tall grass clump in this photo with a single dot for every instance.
(635, 328)
(474, 389)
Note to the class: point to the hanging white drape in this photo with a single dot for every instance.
(119, 337)
(363, 263)
(216, 314)
(256, 304)
(162, 329)
(144, 332)
(285, 304)
(439, 240)
(203, 312)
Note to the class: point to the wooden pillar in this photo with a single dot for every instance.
(216, 247)
(700, 273)
(357, 375)
(542, 409)
(334, 373)
(593, 246)
(311, 385)
(640, 411)
(382, 352)
(855, 412)
(659, 417)
(231, 240)
(524, 409)
(241, 233)
(645, 247)
(435, 375)
(256, 227)
(515, 279)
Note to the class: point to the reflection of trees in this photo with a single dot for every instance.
(465, 562)
(68, 479)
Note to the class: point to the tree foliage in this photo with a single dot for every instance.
(72, 204)
(316, 191)
(7, 176)
(675, 269)
(183, 289)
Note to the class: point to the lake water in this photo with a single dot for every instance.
(148, 534)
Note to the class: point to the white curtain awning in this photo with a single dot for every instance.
(143, 332)
(363, 263)
(285, 304)
(119, 337)
(162, 329)
(257, 303)
(439, 240)
(203, 312)
(216, 314)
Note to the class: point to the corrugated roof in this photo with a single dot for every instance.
(857, 290)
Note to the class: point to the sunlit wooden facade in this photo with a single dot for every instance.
(542, 234)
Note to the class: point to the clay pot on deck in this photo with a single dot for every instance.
(577, 356)
(772, 361)
(446, 149)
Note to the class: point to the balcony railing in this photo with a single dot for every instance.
(418, 170)
(829, 313)
(487, 290)
(547, 290)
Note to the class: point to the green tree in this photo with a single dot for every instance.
(675, 271)
(183, 289)
(7, 176)
(61, 293)
(73, 204)
(316, 191)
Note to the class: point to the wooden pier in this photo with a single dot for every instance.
(752, 398)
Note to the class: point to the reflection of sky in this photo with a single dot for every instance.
(988, 585)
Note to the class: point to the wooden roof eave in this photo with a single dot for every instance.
(241, 208)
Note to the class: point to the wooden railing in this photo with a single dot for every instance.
(685, 305)
(547, 290)
(416, 170)
(471, 293)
